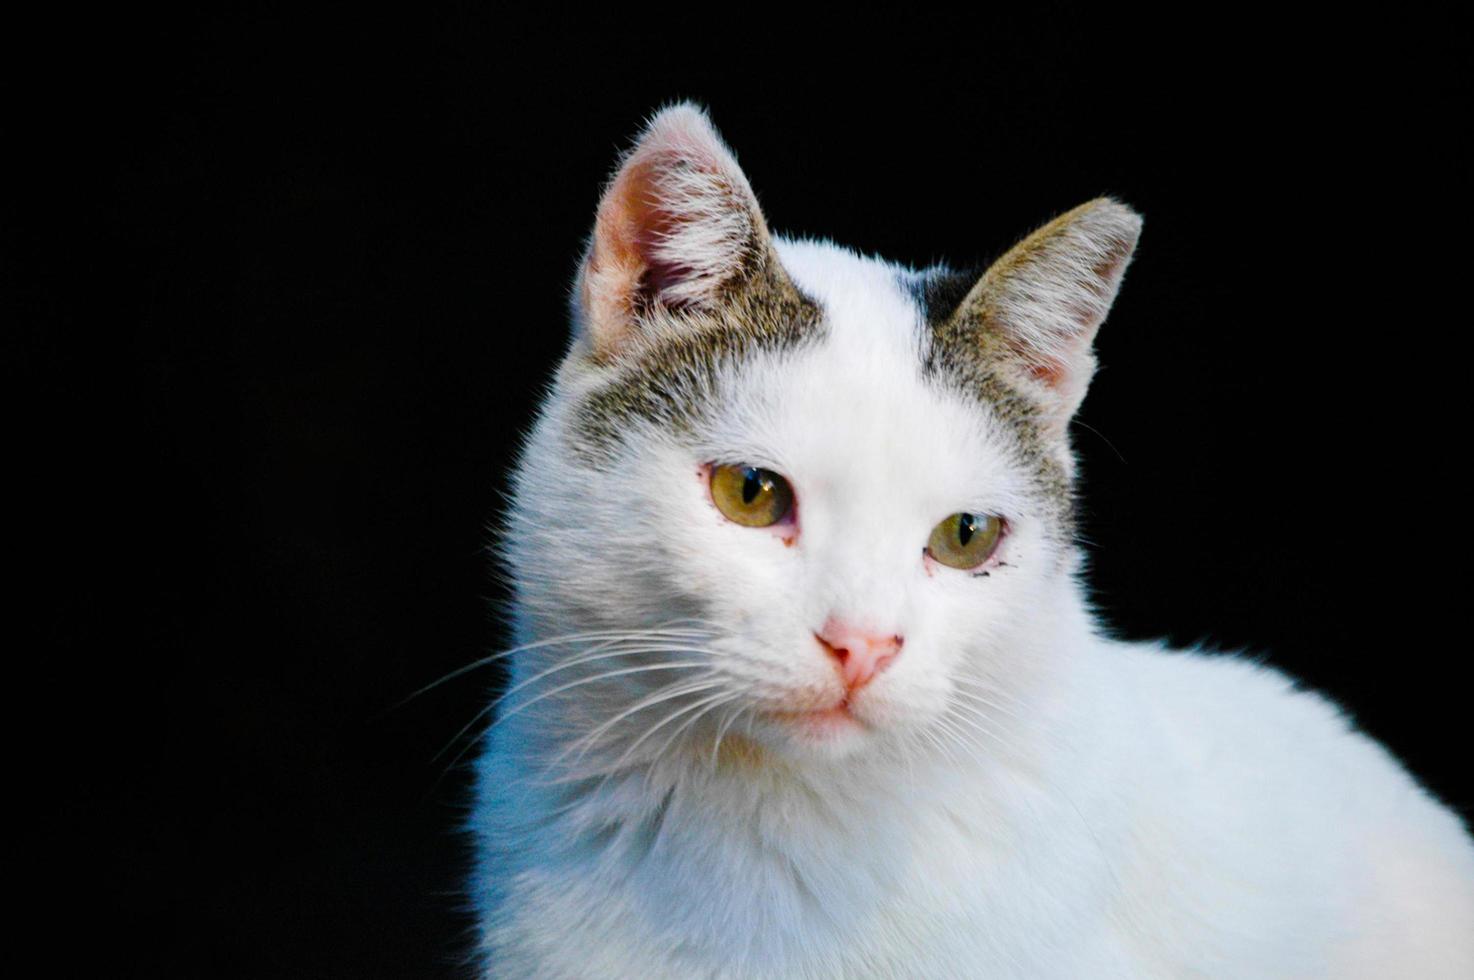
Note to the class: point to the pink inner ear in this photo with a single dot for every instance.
(628, 272)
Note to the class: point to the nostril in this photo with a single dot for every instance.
(838, 653)
(858, 654)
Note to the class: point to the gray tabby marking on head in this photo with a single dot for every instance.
(672, 381)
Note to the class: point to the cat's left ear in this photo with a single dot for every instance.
(678, 229)
(1037, 309)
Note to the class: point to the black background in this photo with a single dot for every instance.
(288, 288)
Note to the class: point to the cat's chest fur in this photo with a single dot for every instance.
(736, 867)
(808, 687)
(1104, 853)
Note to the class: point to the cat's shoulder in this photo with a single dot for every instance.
(1195, 682)
(1242, 706)
(1243, 720)
(1326, 824)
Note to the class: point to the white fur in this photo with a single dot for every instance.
(1027, 798)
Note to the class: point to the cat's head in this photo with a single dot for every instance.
(836, 490)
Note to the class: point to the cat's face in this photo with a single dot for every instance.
(837, 490)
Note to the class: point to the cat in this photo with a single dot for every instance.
(807, 684)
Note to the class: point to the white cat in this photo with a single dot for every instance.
(808, 685)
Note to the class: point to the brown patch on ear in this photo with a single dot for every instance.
(1049, 372)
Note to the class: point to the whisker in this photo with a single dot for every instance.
(970, 717)
(580, 661)
(721, 731)
(661, 632)
(618, 765)
(606, 675)
(983, 688)
(979, 699)
(710, 702)
(519, 707)
(956, 741)
(932, 738)
(481, 736)
(588, 740)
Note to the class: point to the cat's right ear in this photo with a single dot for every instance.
(678, 228)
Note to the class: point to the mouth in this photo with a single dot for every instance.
(821, 722)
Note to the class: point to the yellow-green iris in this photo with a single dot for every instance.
(749, 495)
(965, 540)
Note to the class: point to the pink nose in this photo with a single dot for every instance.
(859, 653)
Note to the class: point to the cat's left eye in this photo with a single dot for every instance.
(750, 496)
(965, 540)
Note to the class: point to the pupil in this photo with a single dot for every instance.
(752, 485)
(965, 529)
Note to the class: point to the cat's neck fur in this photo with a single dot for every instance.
(802, 846)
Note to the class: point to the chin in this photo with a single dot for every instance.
(822, 735)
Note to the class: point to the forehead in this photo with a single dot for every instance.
(856, 405)
(864, 376)
(864, 300)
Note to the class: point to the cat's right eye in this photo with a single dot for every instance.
(750, 496)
